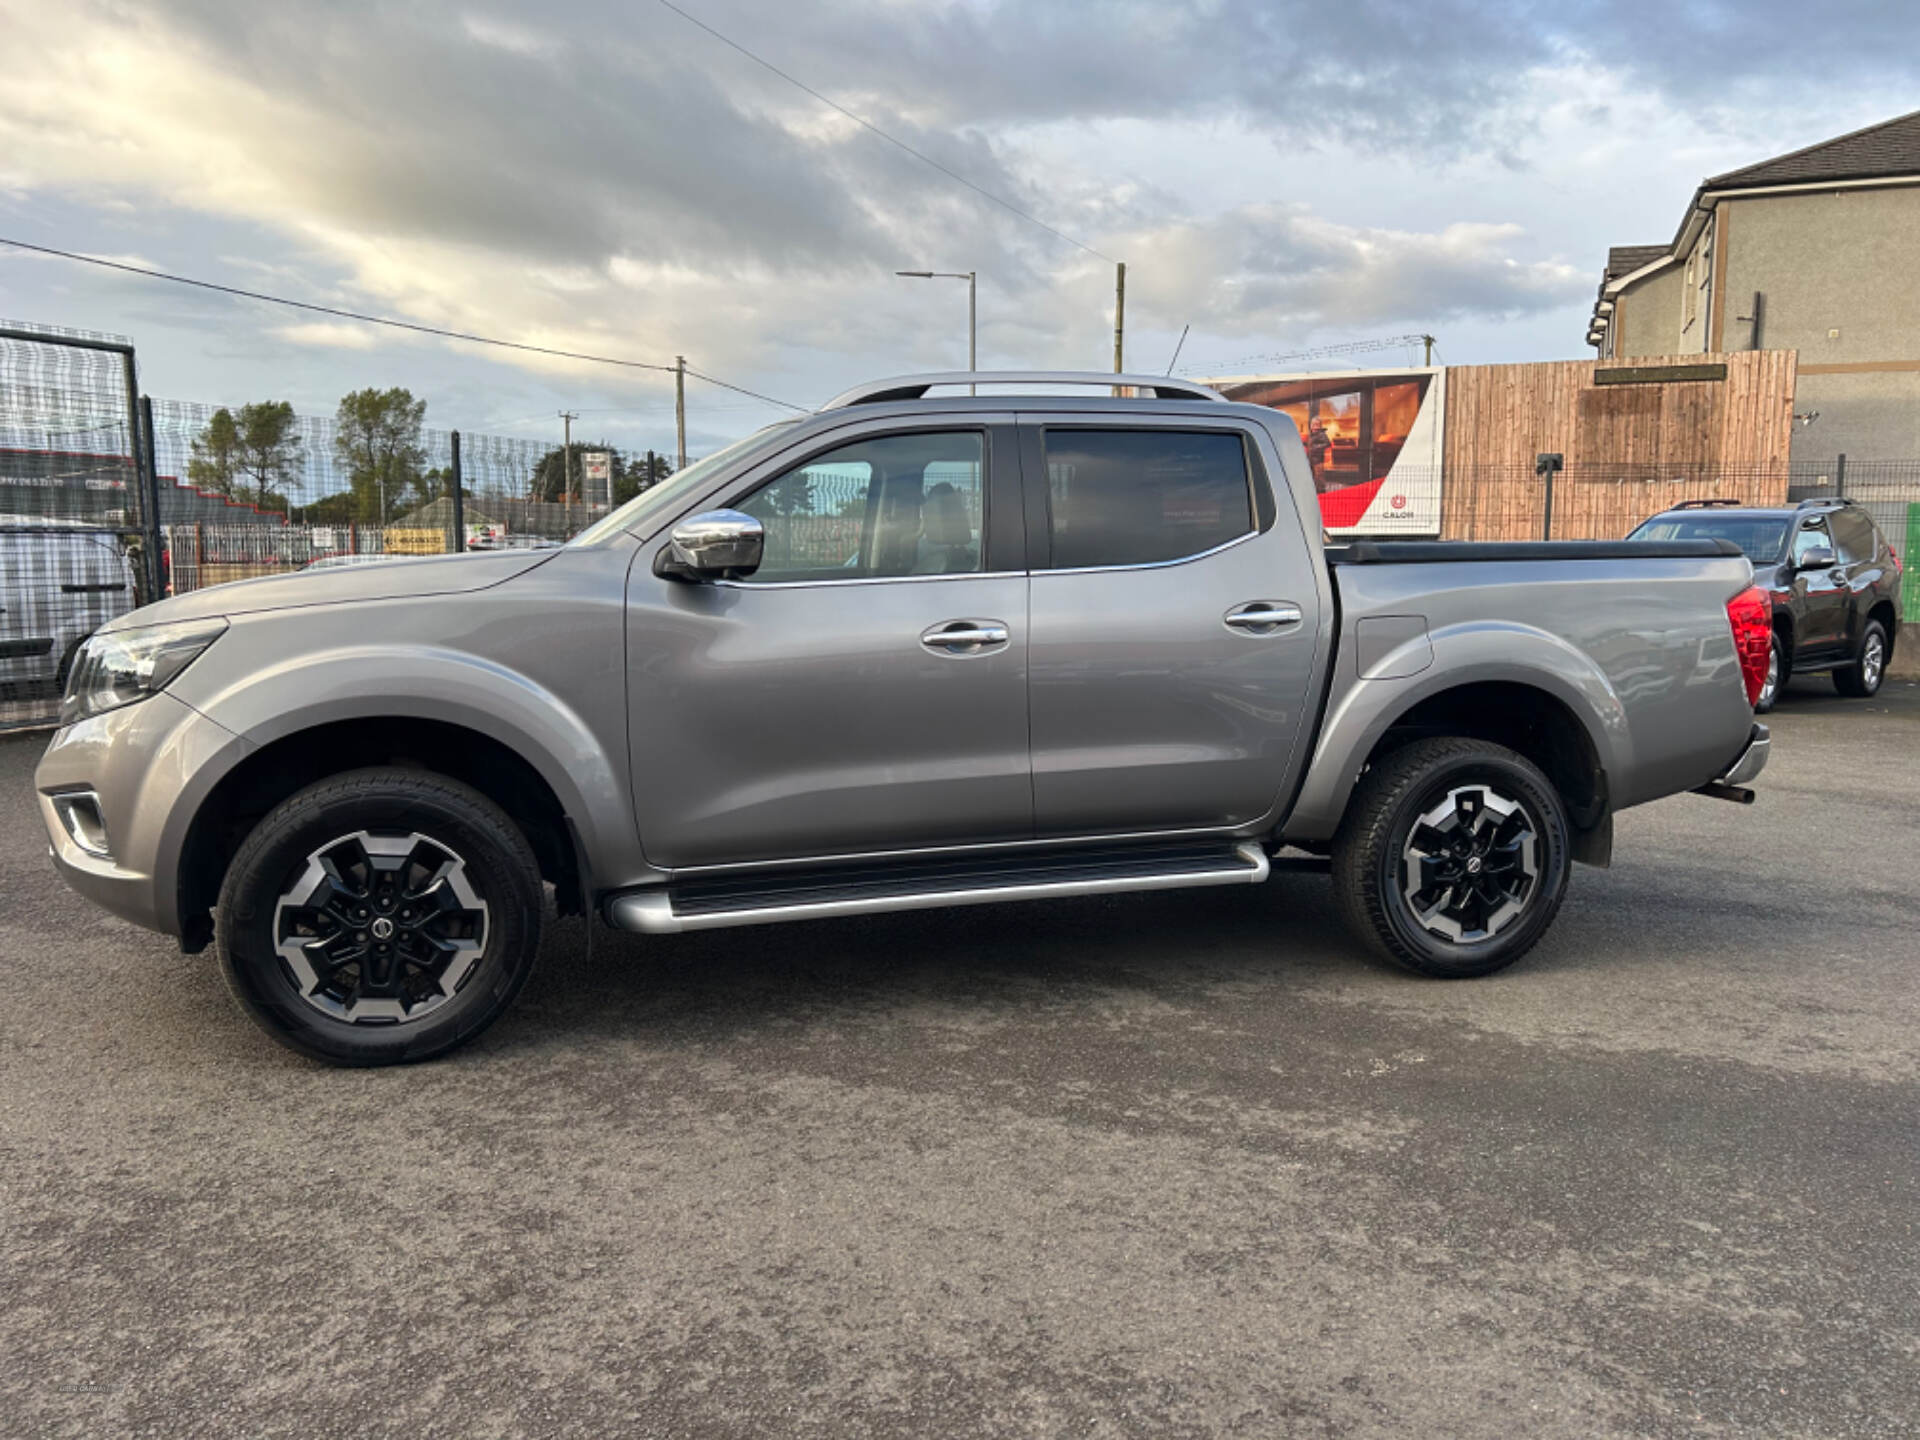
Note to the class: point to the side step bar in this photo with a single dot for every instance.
(711, 902)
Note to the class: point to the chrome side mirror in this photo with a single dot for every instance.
(716, 545)
(1815, 557)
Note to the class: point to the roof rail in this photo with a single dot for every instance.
(915, 387)
(1712, 504)
(1823, 500)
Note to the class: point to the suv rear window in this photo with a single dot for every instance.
(1142, 497)
(1853, 536)
(1758, 536)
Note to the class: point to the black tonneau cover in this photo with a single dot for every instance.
(1429, 552)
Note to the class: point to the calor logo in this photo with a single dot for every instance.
(1398, 502)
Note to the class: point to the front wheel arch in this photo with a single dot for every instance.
(278, 770)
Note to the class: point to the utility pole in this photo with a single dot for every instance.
(680, 408)
(972, 277)
(973, 360)
(1119, 318)
(459, 507)
(566, 461)
(1427, 340)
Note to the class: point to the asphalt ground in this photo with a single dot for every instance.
(1168, 1165)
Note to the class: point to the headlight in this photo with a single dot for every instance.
(129, 665)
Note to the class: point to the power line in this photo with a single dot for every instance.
(866, 124)
(1323, 352)
(386, 320)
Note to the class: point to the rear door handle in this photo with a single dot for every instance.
(964, 637)
(1263, 617)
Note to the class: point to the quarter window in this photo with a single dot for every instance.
(889, 505)
(1140, 497)
(1853, 536)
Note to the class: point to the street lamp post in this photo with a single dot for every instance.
(972, 279)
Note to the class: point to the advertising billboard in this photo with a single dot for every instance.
(1373, 438)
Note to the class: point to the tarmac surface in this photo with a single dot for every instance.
(1164, 1165)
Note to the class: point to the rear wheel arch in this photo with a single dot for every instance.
(1783, 629)
(287, 765)
(1535, 724)
(1883, 612)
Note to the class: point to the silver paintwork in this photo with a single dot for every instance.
(696, 725)
(652, 911)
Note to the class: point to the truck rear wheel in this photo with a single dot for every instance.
(380, 916)
(1453, 857)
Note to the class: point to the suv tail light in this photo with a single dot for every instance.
(1750, 614)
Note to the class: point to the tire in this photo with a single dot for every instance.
(359, 847)
(1860, 679)
(1435, 789)
(1779, 668)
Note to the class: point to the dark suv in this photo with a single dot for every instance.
(1834, 579)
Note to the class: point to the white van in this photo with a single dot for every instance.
(58, 584)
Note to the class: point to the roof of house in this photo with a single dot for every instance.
(1890, 148)
(1625, 259)
(1878, 152)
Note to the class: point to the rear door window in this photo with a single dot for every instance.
(1144, 497)
(1853, 536)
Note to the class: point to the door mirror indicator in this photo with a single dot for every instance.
(1817, 557)
(715, 545)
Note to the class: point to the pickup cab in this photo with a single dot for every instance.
(909, 651)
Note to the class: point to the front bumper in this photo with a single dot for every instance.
(150, 764)
(1752, 760)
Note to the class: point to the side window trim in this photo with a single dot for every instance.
(1039, 492)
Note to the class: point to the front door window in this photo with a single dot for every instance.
(892, 505)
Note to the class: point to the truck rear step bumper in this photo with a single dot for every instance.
(821, 892)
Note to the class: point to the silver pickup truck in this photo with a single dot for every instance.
(905, 652)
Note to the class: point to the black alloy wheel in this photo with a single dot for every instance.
(1453, 857)
(380, 916)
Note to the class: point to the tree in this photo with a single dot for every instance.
(216, 454)
(270, 451)
(636, 477)
(377, 439)
(252, 456)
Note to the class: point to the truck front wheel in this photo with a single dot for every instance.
(380, 916)
(1452, 858)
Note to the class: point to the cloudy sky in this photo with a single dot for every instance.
(611, 177)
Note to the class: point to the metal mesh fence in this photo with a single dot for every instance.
(70, 506)
(315, 478)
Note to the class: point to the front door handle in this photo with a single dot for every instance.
(1263, 617)
(964, 637)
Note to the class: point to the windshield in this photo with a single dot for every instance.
(1758, 536)
(649, 505)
